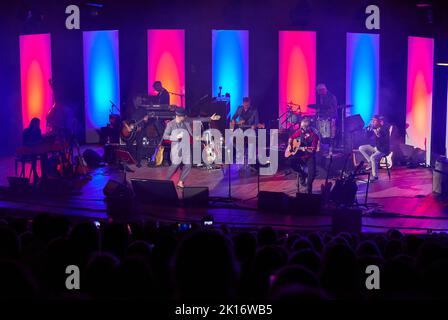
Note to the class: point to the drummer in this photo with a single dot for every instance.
(326, 102)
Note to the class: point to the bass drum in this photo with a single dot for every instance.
(326, 128)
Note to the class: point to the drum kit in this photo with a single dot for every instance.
(325, 125)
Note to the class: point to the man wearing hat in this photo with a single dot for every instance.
(181, 122)
(381, 147)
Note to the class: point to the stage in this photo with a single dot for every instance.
(405, 201)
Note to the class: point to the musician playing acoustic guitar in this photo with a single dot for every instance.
(302, 147)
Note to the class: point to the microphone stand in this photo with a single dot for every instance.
(182, 96)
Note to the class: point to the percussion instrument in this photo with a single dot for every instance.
(326, 127)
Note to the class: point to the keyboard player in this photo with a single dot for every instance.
(32, 137)
(162, 97)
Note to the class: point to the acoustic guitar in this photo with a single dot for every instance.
(129, 130)
(294, 147)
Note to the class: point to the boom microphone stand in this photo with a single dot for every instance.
(181, 95)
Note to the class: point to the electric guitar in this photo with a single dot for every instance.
(240, 125)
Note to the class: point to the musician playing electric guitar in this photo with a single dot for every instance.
(245, 115)
(301, 150)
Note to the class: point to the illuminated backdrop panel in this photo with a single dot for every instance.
(35, 71)
(230, 65)
(166, 62)
(419, 93)
(101, 78)
(363, 73)
(297, 70)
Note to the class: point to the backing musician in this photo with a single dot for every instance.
(246, 115)
(163, 96)
(137, 152)
(326, 102)
(373, 154)
(304, 161)
(31, 137)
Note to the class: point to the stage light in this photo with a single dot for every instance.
(442, 64)
(362, 73)
(166, 62)
(297, 70)
(419, 93)
(101, 79)
(230, 65)
(35, 71)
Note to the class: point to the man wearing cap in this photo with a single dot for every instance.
(174, 132)
(373, 154)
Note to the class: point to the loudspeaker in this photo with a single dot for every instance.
(195, 196)
(347, 220)
(92, 158)
(272, 201)
(155, 191)
(115, 189)
(306, 204)
(440, 177)
(19, 185)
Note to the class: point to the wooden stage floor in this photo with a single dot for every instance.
(405, 202)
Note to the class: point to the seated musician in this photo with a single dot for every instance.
(246, 115)
(31, 137)
(374, 153)
(181, 122)
(163, 96)
(304, 162)
(137, 151)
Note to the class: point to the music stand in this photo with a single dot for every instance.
(124, 158)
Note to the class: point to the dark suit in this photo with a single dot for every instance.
(163, 97)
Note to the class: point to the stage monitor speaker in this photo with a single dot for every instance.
(305, 204)
(440, 177)
(347, 220)
(354, 123)
(19, 185)
(195, 196)
(273, 202)
(115, 189)
(155, 191)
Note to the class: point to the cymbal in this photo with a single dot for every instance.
(345, 106)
